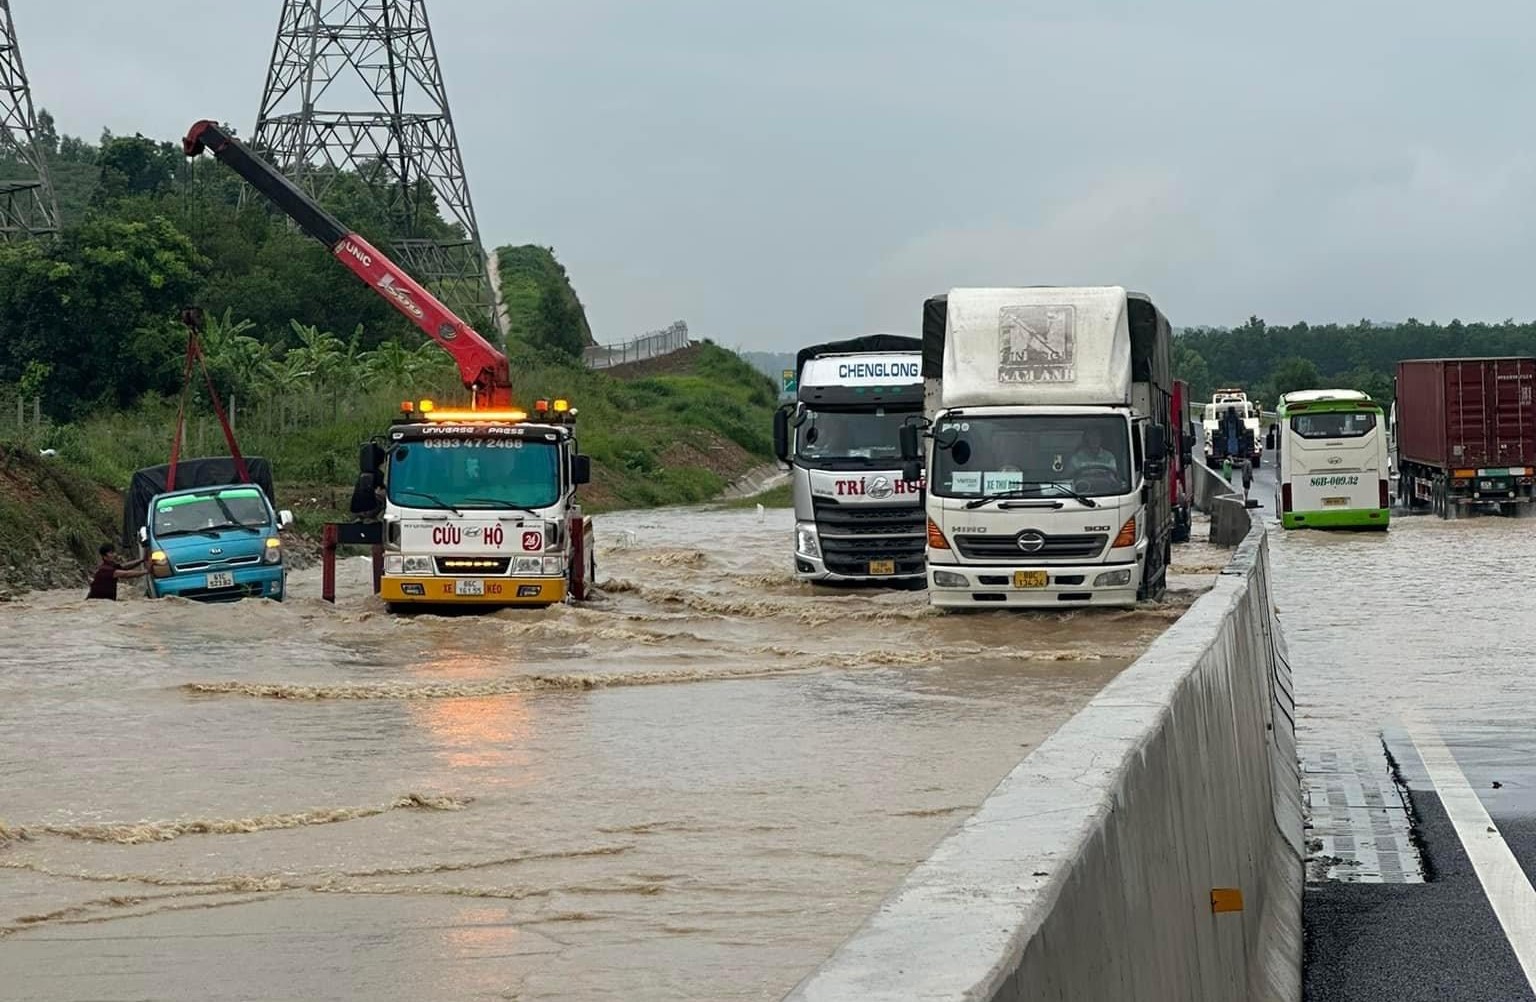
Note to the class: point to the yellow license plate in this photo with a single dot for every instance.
(1029, 579)
(1335, 502)
(882, 567)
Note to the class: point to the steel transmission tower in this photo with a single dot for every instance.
(355, 85)
(27, 204)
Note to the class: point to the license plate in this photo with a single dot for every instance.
(882, 567)
(1334, 502)
(221, 579)
(1029, 579)
(475, 587)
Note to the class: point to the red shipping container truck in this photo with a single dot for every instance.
(1466, 433)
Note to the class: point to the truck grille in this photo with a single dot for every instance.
(203, 565)
(975, 546)
(473, 565)
(853, 535)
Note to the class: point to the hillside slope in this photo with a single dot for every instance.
(52, 518)
(541, 304)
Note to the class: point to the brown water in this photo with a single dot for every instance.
(693, 789)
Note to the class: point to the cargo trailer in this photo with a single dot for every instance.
(1466, 434)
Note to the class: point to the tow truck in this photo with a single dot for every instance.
(461, 505)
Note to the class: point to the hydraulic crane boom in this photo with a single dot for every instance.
(483, 368)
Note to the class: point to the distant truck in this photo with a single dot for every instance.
(1231, 418)
(214, 537)
(1047, 447)
(1466, 434)
(856, 518)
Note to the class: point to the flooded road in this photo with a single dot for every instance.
(694, 788)
(1415, 644)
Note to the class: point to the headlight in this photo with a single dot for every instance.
(949, 579)
(394, 563)
(528, 565)
(805, 541)
(274, 551)
(417, 565)
(554, 565)
(1112, 579)
(159, 564)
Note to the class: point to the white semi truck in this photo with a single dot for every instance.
(1049, 419)
(856, 519)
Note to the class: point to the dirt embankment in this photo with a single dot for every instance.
(52, 519)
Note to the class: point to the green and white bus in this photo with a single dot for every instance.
(1333, 461)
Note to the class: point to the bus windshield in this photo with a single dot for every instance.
(474, 473)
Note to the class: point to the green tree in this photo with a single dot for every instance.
(1190, 366)
(1295, 373)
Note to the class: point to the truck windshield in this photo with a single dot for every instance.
(181, 514)
(850, 438)
(474, 473)
(1032, 456)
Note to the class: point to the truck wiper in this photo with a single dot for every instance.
(999, 496)
(233, 523)
(502, 505)
(433, 498)
(1088, 502)
(214, 530)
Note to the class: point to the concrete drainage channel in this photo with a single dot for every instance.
(1149, 849)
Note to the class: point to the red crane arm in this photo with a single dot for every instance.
(482, 367)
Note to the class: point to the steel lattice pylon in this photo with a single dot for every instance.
(27, 204)
(355, 85)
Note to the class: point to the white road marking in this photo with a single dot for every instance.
(1509, 892)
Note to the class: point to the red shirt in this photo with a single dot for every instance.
(104, 581)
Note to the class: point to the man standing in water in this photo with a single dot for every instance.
(104, 581)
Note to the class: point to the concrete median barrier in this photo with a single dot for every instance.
(1151, 849)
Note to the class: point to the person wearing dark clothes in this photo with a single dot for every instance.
(104, 581)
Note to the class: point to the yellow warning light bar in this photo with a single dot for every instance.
(561, 406)
(470, 417)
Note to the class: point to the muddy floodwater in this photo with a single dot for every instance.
(694, 788)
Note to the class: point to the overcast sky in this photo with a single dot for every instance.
(780, 172)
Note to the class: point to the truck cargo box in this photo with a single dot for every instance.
(1476, 413)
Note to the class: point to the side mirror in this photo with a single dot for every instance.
(581, 469)
(781, 433)
(911, 451)
(365, 500)
(912, 470)
(1157, 442)
(284, 519)
(370, 458)
(143, 534)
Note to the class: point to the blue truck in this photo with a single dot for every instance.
(215, 537)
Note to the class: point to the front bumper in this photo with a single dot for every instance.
(264, 581)
(426, 590)
(814, 569)
(989, 585)
(1358, 518)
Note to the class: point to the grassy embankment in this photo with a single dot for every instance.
(675, 438)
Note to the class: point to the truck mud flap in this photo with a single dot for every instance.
(583, 564)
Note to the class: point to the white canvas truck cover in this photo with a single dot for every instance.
(1037, 346)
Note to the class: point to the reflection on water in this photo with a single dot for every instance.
(693, 788)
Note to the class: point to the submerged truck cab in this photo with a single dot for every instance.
(856, 518)
(1047, 447)
(218, 539)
